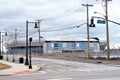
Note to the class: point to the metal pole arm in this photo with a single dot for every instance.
(104, 19)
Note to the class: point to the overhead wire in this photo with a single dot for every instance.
(63, 14)
(31, 34)
(64, 28)
(113, 12)
(58, 17)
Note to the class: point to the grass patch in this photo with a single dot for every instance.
(4, 66)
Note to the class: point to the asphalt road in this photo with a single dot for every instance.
(53, 69)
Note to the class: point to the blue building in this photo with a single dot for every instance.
(53, 46)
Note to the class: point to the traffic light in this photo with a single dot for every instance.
(92, 23)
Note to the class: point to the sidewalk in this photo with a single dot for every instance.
(17, 69)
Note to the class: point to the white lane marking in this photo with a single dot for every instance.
(118, 78)
(51, 71)
(61, 79)
(42, 64)
(84, 70)
(43, 72)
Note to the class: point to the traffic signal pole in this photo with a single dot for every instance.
(88, 36)
(107, 29)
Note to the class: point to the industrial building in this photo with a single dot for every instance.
(53, 46)
(56, 46)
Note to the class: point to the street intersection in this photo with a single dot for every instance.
(54, 69)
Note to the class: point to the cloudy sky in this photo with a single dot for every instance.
(57, 16)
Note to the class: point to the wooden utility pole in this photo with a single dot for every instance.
(107, 29)
(88, 36)
(39, 48)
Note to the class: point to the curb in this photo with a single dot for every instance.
(38, 68)
(15, 71)
(23, 72)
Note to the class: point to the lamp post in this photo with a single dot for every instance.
(107, 32)
(30, 40)
(1, 57)
(15, 43)
(26, 60)
(39, 49)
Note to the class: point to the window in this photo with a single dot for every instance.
(77, 45)
(64, 44)
(57, 45)
(52, 44)
(83, 45)
(73, 45)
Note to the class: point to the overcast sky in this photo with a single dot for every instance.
(58, 14)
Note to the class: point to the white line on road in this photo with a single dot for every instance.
(84, 70)
(62, 79)
(106, 79)
(42, 64)
(43, 72)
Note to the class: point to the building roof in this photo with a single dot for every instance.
(21, 44)
(70, 39)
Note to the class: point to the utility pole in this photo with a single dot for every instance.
(88, 36)
(38, 22)
(39, 36)
(107, 29)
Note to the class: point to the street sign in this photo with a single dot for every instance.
(101, 21)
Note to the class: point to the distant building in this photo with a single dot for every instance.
(20, 47)
(53, 46)
(102, 46)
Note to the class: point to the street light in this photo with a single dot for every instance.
(1, 57)
(107, 32)
(99, 13)
(30, 40)
(26, 60)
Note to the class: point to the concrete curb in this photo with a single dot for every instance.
(17, 69)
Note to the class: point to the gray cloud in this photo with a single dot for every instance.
(56, 14)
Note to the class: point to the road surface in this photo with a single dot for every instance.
(53, 69)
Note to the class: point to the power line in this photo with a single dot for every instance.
(64, 28)
(66, 13)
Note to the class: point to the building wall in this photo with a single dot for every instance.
(59, 46)
(69, 46)
(22, 50)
